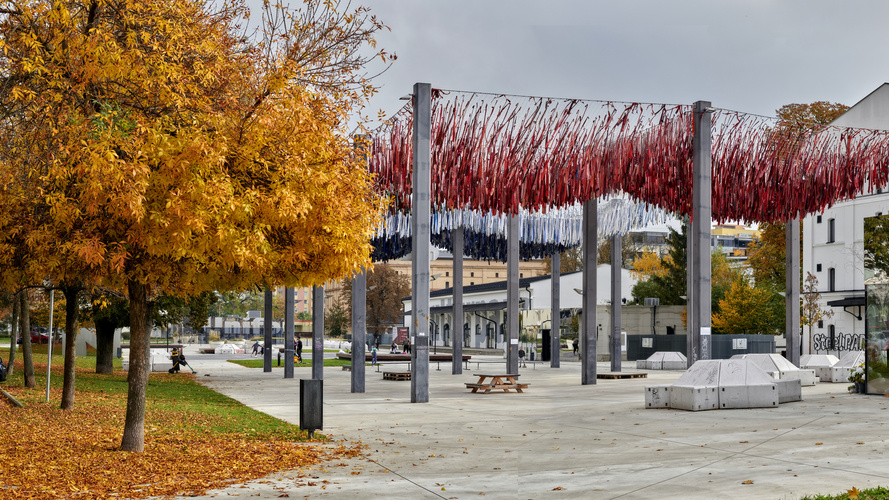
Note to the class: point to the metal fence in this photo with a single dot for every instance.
(722, 346)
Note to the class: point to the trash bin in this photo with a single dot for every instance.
(310, 405)
(533, 355)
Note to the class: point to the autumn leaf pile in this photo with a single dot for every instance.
(53, 453)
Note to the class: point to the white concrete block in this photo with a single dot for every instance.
(640, 364)
(702, 373)
(748, 396)
(840, 374)
(806, 377)
(789, 390)
(657, 396)
(694, 398)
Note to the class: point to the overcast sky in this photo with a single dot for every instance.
(752, 56)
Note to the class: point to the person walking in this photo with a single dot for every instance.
(575, 343)
(373, 359)
(522, 358)
(299, 350)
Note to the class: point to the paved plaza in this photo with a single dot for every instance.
(560, 439)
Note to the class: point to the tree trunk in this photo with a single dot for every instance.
(104, 346)
(71, 328)
(27, 358)
(137, 378)
(15, 329)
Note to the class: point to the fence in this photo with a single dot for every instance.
(722, 346)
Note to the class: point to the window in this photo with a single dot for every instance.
(447, 273)
(521, 275)
(820, 323)
(817, 268)
(832, 334)
(832, 280)
(831, 230)
(496, 275)
(472, 275)
(448, 284)
(818, 219)
(471, 283)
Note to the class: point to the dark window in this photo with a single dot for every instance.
(818, 219)
(521, 275)
(447, 273)
(831, 230)
(472, 275)
(447, 284)
(496, 275)
(817, 268)
(832, 333)
(820, 323)
(471, 283)
(831, 280)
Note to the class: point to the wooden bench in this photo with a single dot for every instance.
(614, 375)
(396, 375)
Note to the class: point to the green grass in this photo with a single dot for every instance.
(878, 493)
(183, 403)
(307, 363)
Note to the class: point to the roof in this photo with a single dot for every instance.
(490, 287)
(480, 306)
(848, 301)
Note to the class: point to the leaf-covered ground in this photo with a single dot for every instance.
(195, 440)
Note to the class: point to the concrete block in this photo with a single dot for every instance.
(657, 396)
(640, 364)
(748, 396)
(664, 360)
(789, 389)
(840, 374)
(702, 373)
(806, 377)
(694, 398)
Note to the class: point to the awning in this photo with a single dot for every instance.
(482, 306)
(848, 301)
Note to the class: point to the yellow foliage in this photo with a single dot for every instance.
(648, 264)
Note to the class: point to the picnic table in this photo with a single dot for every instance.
(488, 382)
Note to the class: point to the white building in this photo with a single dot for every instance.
(484, 308)
(833, 246)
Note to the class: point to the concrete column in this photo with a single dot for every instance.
(512, 295)
(615, 302)
(588, 328)
(792, 293)
(359, 329)
(420, 231)
(699, 317)
(457, 321)
(691, 336)
(288, 332)
(267, 331)
(556, 319)
(317, 332)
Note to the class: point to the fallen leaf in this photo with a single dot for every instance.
(747, 482)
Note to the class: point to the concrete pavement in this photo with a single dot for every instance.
(560, 439)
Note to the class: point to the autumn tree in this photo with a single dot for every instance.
(798, 118)
(670, 284)
(747, 309)
(811, 309)
(570, 260)
(876, 245)
(385, 289)
(165, 150)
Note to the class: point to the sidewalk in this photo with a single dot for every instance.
(560, 439)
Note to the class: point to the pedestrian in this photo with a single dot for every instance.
(407, 345)
(575, 343)
(257, 348)
(373, 360)
(299, 350)
(394, 349)
(522, 358)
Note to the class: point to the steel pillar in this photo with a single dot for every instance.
(267, 331)
(359, 329)
(555, 317)
(420, 232)
(699, 314)
(512, 295)
(615, 303)
(792, 292)
(317, 332)
(288, 332)
(589, 331)
(457, 326)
